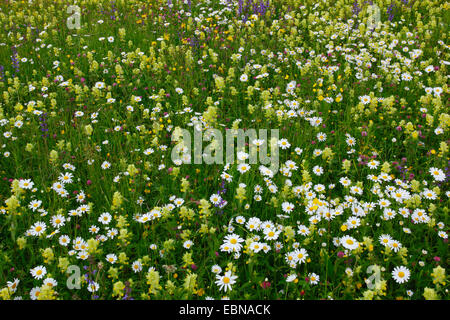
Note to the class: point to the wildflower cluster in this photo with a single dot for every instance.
(89, 118)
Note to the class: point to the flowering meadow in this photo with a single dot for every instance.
(94, 95)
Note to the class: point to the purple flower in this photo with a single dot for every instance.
(15, 60)
(356, 8)
(389, 11)
(43, 125)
